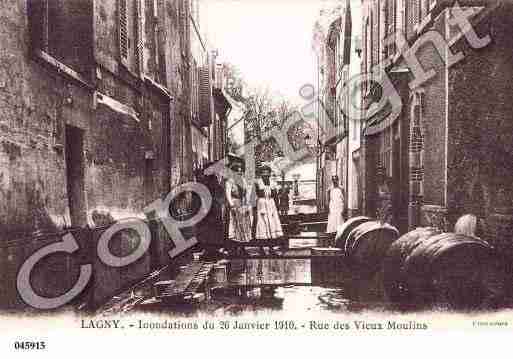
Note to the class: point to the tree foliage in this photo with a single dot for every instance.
(265, 110)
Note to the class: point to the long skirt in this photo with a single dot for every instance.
(268, 225)
(240, 223)
(335, 219)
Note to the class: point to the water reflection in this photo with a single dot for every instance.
(278, 272)
(317, 283)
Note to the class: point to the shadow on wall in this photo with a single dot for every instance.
(34, 219)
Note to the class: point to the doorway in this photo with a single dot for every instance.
(75, 175)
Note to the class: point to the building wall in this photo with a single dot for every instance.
(32, 179)
(126, 163)
(480, 127)
(133, 118)
(433, 120)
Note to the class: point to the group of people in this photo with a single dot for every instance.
(259, 219)
(263, 221)
(246, 222)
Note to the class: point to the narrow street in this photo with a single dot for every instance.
(258, 286)
(164, 155)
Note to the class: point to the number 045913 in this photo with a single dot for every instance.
(28, 345)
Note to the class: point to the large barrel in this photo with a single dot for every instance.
(426, 268)
(346, 228)
(394, 276)
(366, 246)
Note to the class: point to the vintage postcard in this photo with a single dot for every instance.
(319, 168)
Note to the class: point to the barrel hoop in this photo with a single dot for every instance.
(374, 228)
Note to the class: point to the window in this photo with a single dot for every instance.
(155, 65)
(38, 13)
(413, 18)
(376, 37)
(366, 48)
(194, 89)
(125, 32)
(63, 30)
(390, 25)
(416, 12)
(131, 22)
(385, 152)
(205, 96)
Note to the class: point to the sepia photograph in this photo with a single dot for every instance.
(254, 167)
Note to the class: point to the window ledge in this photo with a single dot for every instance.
(61, 68)
(114, 105)
(163, 90)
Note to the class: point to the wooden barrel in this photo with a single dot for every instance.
(426, 268)
(367, 245)
(394, 278)
(346, 228)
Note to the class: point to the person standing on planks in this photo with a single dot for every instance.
(336, 206)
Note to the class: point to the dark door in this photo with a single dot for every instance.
(75, 175)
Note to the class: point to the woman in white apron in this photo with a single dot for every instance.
(268, 225)
(336, 207)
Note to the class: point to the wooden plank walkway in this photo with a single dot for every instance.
(291, 253)
(187, 282)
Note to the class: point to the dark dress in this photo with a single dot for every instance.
(211, 228)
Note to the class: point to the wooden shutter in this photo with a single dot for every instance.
(183, 25)
(140, 18)
(416, 12)
(375, 34)
(205, 96)
(123, 31)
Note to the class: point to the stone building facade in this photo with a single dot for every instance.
(97, 109)
(449, 151)
(97, 117)
(333, 43)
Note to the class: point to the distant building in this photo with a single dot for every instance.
(338, 132)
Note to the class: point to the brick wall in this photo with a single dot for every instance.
(481, 108)
(433, 120)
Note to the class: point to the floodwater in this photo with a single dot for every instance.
(284, 286)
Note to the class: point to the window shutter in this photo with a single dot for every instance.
(205, 98)
(140, 18)
(156, 38)
(416, 12)
(375, 34)
(183, 25)
(123, 31)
